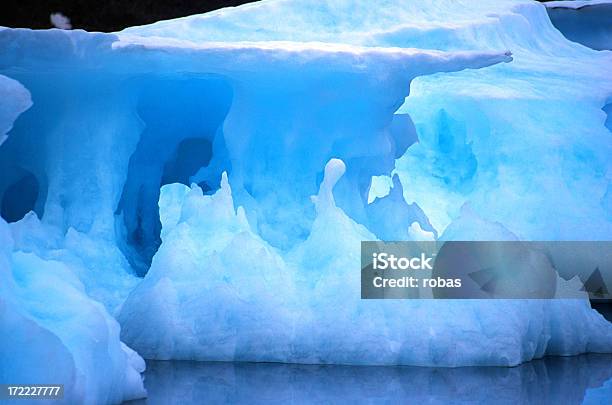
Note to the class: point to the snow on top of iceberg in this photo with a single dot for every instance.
(324, 56)
(128, 53)
(488, 25)
(337, 20)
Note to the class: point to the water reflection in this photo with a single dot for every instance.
(554, 380)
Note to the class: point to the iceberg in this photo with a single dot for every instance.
(216, 291)
(54, 333)
(207, 181)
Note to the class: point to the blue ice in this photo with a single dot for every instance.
(236, 159)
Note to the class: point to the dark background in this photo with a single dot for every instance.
(104, 15)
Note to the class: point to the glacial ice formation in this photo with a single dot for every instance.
(54, 333)
(298, 306)
(118, 144)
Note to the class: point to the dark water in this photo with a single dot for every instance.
(590, 26)
(554, 380)
(604, 307)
